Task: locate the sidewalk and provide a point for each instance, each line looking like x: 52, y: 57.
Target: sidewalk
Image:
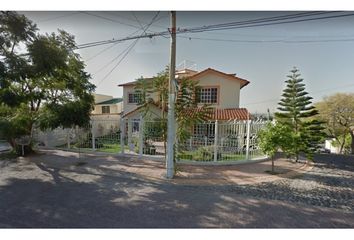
x: 248, y: 173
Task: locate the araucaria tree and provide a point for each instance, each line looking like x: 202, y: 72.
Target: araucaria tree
x: 297, y: 113
x: 42, y: 80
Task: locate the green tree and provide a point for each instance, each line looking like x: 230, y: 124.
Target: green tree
x: 42, y: 80
x: 337, y: 111
x: 274, y: 137
x: 297, y: 113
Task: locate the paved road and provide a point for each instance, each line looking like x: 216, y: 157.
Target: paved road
x: 35, y: 195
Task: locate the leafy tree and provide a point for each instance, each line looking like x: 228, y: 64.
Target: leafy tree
x: 337, y: 111
x: 42, y: 81
x: 273, y: 137
x: 297, y: 112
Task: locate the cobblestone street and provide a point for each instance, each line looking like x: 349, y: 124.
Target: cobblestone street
x: 36, y: 194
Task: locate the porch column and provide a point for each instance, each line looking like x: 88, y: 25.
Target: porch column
x: 122, y: 134
x: 129, y: 132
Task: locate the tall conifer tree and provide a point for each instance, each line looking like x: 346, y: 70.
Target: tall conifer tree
x: 297, y: 112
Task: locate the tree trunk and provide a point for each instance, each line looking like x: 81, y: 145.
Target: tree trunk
x: 272, y: 164
x: 342, y: 145
x: 352, y: 143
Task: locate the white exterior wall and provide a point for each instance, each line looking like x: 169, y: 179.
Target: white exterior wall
x: 330, y: 147
x: 127, y: 107
x: 228, y: 93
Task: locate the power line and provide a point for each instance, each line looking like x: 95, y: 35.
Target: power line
x: 260, y: 20
x: 110, y: 19
x: 235, y: 25
x: 136, y: 18
x: 142, y: 22
x: 113, y: 60
x: 131, y: 46
x: 100, y: 52
x: 128, y: 49
x: 105, y: 49
x: 258, y: 24
x: 58, y: 17
x: 268, y: 41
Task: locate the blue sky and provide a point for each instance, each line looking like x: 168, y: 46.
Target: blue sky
x: 327, y: 67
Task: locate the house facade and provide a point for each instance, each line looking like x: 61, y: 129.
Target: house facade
x: 107, y: 105
x: 218, y: 89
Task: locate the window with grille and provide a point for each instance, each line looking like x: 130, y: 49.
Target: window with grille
x: 204, y: 129
x: 106, y: 109
x: 134, y: 97
x: 208, y: 95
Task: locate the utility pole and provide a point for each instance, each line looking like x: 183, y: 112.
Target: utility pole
x: 171, y: 126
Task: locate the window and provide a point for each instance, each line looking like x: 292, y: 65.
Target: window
x: 106, y: 109
x: 208, y: 95
x: 135, y: 125
x: 134, y: 97
x: 204, y: 129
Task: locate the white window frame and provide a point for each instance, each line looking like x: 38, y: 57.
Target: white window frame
x: 206, y: 95
x: 135, y: 97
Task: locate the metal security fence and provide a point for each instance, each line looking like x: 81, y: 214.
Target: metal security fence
x: 225, y: 141
x: 209, y: 141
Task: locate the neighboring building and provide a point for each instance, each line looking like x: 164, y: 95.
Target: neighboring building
x: 107, y: 105
x: 220, y: 90
x: 330, y: 146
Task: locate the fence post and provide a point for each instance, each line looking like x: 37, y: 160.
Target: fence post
x: 68, y: 137
x: 122, y: 134
x: 205, y: 141
x: 130, y: 134
x: 141, y: 136
x: 216, y: 141
x: 248, y: 138
x: 190, y: 143
x: 93, y: 135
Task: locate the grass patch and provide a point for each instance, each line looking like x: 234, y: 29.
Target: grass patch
x: 209, y: 156
x: 107, y: 147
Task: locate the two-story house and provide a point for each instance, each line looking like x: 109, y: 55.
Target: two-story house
x: 220, y: 90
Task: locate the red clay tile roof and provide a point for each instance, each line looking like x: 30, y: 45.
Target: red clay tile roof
x: 216, y: 114
x: 225, y: 114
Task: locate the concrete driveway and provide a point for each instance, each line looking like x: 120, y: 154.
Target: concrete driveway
x: 35, y: 194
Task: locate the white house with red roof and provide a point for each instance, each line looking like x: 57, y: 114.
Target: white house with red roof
x: 220, y: 90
